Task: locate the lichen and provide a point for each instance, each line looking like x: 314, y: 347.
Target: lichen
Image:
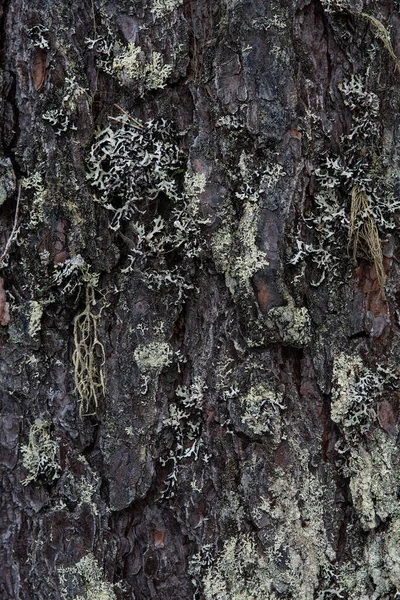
x: 239, y: 573
x: 40, y: 455
x: 35, y: 317
x: 356, y: 391
x: 89, y: 356
x: 162, y: 8
x: 235, y: 251
x: 153, y: 356
x: 261, y: 406
x: 374, y: 479
x: 87, y: 573
x: 293, y: 324
x: 130, y: 65
x: 290, y: 555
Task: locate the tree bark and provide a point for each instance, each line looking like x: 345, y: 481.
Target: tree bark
x: 199, y: 332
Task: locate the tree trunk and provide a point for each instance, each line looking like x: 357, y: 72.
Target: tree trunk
x: 198, y: 299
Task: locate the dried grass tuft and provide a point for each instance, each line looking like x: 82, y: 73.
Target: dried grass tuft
x: 364, y: 232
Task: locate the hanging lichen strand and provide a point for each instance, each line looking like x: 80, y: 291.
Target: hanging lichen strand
x: 89, y: 356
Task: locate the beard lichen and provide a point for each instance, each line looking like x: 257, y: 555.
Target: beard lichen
x: 89, y: 356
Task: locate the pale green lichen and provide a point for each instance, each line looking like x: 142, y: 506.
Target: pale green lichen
x: 40, y: 455
x: 261, y: 406
x: 289, y: 325
x: 240, y: 572
x: 162, y: 8
x: 293, y: 324
x: 356, y: 389
x: 374, y: 572
x: 291, y: 555
x: 35, y: 317
x: 87, y: 572
x: 251, y: 259
x: 235, y: 252
x: 130, y: 65
x: 153, y: 356
x: 235, y: 248
x: 374, y: 479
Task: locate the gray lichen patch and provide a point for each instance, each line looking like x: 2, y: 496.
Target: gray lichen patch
x: 41, y: 454
x: 90, y: 575
x: 236, y: 253
x: 356, y: 391
x: 291, y: 554
x: 374, y: 479
x: 289, y: 325
x: 7, y: 180
x: 153, y: 356
x: 293, y: 324
x: 257, y: 411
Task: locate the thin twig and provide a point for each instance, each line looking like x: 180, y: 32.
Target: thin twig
x: 129, y: 116
x: 94, y: 20
x: 10, y: 239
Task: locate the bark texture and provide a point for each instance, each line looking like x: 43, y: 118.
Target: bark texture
x: 199, y: 324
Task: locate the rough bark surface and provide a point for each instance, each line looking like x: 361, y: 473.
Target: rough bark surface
x: 199, y: 331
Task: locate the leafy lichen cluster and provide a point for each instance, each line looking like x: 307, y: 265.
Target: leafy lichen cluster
x: 356, y: 198
x: 40, y: 455
x: 235, y: 248
x: 162, y: 8
x: 86, y: 572
x: 135, y: 167
x: 130, y: 65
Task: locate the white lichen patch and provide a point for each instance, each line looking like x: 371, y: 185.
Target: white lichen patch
x: 240, y: 572
x: 261, y: 406
x: 88, y: 573
x: 130, y: 65
x: 40, y: 455
x: 356, y: 389
x: 153, y: 356
x: 35, y: 317
x: 162, y: 8
x: 291, y: 556
x: 236, y: 252
x: 374, y: 479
